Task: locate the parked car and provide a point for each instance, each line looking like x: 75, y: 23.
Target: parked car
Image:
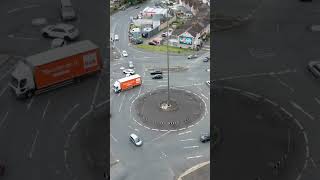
x: 205, y: 137
x: 116, y: 37
x: 135, y: 140
x: 131, y: 66
x: 137, y: 41
x: 192, y: 56
x: 206, y: 59
x: 58, y: 42
x: 67, y: 11
x: 152, y: 43
x: 164, y: 34
x: 155, y: 72
x: 124, y: 53
x: 64, y: 31
x: 157, y: 76
x: 208, y: 83
x: 314, y: 68
x: 128, y: 71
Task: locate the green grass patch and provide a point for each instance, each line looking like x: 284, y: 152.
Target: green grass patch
x: 163, y: 48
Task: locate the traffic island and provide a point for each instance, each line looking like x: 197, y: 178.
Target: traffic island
x: 153, y: 111
x: 260, y: 138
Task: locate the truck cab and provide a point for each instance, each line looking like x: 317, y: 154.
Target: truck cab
x: 117, y: 87
x: 22, y: 80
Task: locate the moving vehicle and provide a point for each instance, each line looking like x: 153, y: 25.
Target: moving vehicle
x: 158, y: 76
x: 116, y: 37
x: 55, y: 68
x: 67, y: 11
x: 58, y: 42
x: 128, y: 71
x: 314, y: 68
x: 64, y: 31
x: 155, y: 72
x: 205, y: 137
x: 206, y: 59
x: 124, y: 53
x: 127, y: 83
x: 131, y: 66
x: 135, y: 140
x: 192, y: 56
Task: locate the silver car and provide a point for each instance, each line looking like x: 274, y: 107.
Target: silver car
x: 63, y: 31
x: 67, y: 11
x: 131, y: 66
x: 135, y: 140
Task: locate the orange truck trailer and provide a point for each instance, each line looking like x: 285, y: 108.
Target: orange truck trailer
x: 55, y: 68
x: 127, y: 83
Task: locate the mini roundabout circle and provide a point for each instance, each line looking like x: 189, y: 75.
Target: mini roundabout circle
x: 260, y: 138
x: 153, y: 111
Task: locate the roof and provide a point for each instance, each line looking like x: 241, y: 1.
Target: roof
x: 129, y: 78
x: 61, y: 52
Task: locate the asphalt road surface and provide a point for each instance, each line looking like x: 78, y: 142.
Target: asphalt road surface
x: 164, y: 154
x: 34, y: 133
x: 269, y: 58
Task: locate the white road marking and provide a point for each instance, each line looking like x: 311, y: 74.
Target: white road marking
x: 160, y: 136
x: 95, y: 92
x: 258, y: 74
x: 317, y: 100
x: 122, y: 102
x: 3, y: 91
x: 131, y: 97
x: 45, y: 109
x: 187, y: 140
x: 74, y: 126
x: 313, y: 163
x: 204, y: 96
x: 13, y: 10
x: 190, y: 147
x: 113, y: 138
x: 301, y: 109
x: 193, y: 157
x: 103, y: 103
x: 69, y: 112
x: 86, y: 114
x: 133, y: 128
x: 21, y: 37
x: 184, y: 133
x: 33, y: 144
x: 30, y: 103
x: 4, y: 118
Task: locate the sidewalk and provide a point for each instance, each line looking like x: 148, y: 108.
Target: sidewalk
x: 198, y: 172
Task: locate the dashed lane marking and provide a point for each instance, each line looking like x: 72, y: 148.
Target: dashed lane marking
x: 30, y: 103
x: 3, y: 91
x: 33, y: 145
x: 317, y: 100
x: 70, y: 111
x: 45, y: 109
x: 193, y: 157
x: 190, y: 147
x: 160, y: 136
x: 133, y: 128
x: 4, y: 119
x: 301, y: 109
x: 113, y: 138
x: 122, y: 102
x: 183, y: 140
x: 184, y: 133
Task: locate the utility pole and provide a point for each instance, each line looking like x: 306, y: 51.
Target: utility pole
x: 168, y: 100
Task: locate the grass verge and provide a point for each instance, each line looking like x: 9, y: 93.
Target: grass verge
x: 163, y: 48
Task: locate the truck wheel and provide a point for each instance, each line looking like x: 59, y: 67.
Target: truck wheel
x: 29, y: 94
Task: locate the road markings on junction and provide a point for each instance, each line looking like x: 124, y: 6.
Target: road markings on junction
x: 133, y: 128
x: 30, y: 103
x: 113, y: 138
x: 193, y: 157
x: 69, y: 112
x: 122, y: 102
x: 295, y: 105
x: 184, y: 133
x: 33, y: 144
x: 95, y: 92
x: 45, y: 109
x: 317, y: 100
x: 160, y: 136
x: 3, y: 91
x: 284, y: 84
x: 190, y: 147
x: 4, y: 118
x: 183, y: 140
x: 74, y: 126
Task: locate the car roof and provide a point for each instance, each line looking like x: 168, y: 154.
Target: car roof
x: 64, y: 26
x: 134, y: 136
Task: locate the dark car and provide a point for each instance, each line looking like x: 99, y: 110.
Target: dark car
x: 138, y: 41
x: 152, y: 43
x: 157, y: 76
x: 155, y: 72
x: 205, y: 137
x: 314, y: 68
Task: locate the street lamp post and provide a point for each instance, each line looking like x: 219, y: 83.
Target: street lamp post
x: 168, y: 100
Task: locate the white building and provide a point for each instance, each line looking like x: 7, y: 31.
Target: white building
x: 151, y: 11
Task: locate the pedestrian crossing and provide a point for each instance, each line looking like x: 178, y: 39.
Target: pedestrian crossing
x: 261, y: 52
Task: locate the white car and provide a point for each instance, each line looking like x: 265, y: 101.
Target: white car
x: 124, y: 53
x: 63, y: 31
x: 131, y: 66
x: 116, y: 37
x: 135, y: 140
x: 128, y: 71
x: 208, y: 83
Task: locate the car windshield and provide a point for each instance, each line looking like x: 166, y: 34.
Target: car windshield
x: 72, y: 30
x: 137, y: 139
x: 14, y: 82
